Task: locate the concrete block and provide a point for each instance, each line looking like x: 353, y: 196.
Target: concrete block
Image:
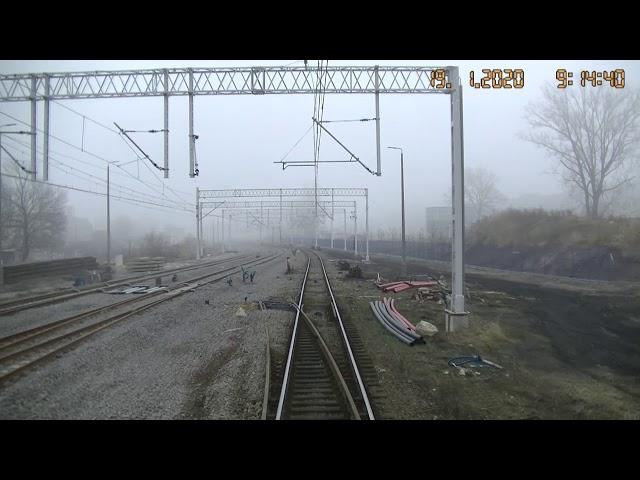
x: 426, y: 329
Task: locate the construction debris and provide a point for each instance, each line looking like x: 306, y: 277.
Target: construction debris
x: 343, y: 265
x: 144, y: 264
x: 396, y: 287
x: 394, y: 322
x: 355, y: 272
x: 475, y: 361
x: 276, y: 305
x: 426, y: 329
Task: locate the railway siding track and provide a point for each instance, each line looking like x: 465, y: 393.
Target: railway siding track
x: 17, y: 305
x: 321, y: 377
x: 25, y: 349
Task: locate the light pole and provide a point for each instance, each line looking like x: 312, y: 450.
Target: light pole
x: 404, y: 242
x: 108, y: 218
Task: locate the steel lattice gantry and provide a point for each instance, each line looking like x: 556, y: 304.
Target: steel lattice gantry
x: 217, y: 199
x: 191, y: 82
x: 285, y: 209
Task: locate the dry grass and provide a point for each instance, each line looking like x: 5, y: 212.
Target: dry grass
x: 552, y: 228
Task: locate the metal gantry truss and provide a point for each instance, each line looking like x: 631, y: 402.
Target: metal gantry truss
x: 215, y: 199
x: 261, y: 214
x: 260, y: 81
x: 219, y: 81
x: 192, y: 82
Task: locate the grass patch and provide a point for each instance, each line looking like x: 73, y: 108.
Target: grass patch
x: 540, y: 228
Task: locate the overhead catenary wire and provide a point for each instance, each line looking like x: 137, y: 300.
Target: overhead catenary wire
x: 350, y: 120
x: 24, y: 169
x: 111, y: 162
x: 136, y: 196
x: 135, y: 192
x: 296, y: 144
x: 70, y: 157
x: 129, y: 200
x: 60, y: 139
x: 117, y: 187
x: 85, y: 116
x: 140, y: 149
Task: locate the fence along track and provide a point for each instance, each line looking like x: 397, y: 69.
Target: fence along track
x: 316, y: 382
x: 18, y: 361
x: 26, y: 303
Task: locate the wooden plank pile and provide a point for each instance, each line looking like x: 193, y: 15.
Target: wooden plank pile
x: 27, y: 271
x: 396, y: 287
x: 145, y: 264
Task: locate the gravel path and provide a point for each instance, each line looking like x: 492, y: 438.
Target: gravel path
x: 182, y: 359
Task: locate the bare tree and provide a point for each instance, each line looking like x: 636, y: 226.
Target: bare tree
x: 155, y: 244
x: 593, y: 132
x: 480, y: 193
x: 34, y: 214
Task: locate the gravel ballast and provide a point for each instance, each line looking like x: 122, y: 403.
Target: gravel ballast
x: 183, y: 359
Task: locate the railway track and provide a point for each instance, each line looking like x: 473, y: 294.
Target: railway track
x: 25, y: 349
x: 322, y: 378
x: 17, y: 305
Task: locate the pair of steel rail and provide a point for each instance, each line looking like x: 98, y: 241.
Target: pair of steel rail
x: 308, y: 345
x: 22, y: 350
x: 25, y: 303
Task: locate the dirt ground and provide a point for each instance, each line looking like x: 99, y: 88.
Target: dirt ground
x: 570, y: 350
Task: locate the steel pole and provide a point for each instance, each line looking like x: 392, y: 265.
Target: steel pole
x: 198, y: 223
x: 191, y: 140
x: 108, y: 219
x: 332, y: 217
x: 202, y: 242
x: 222, y: 230
x: 166, y: 123
x: 280, y: 224
x: 33, y: 126
x: 355, y: 228
x: 457, y: 307
x: 345, y: 229
x: 366, y: 200
x: 404, y: 239
x: 377, y: 94
x: 45, y: 140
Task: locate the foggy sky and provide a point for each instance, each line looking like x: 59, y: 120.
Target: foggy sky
x: 241, y: 136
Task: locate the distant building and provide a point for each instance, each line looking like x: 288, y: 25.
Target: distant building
x: 438, y: 221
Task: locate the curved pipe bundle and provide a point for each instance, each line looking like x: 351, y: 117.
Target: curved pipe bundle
x: 393, y: 324
x: 390, y: 303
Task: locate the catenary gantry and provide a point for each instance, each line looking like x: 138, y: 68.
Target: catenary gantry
x: 193, y: 82
x: 217, y: 199
x: 270, y: 214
